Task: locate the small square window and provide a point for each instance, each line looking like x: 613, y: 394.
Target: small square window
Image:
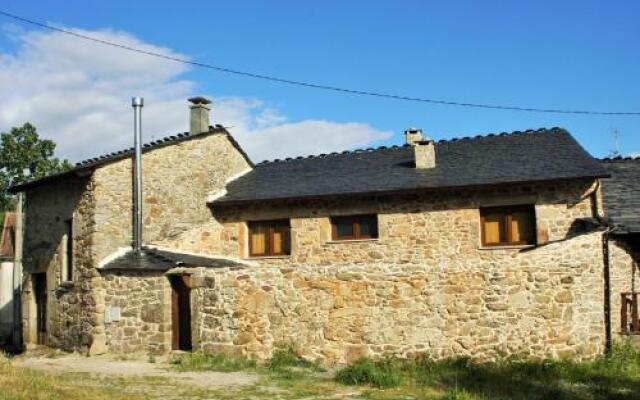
x: 508, y: 226
x: 269, y: 238
x: 354, y: 227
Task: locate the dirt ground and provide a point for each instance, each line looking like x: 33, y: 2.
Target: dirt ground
x: 130, y: 367
x: 64, y: 376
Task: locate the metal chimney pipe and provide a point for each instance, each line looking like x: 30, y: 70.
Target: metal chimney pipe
x: 137, y: 103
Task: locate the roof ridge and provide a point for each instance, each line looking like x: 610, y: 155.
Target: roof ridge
x: 619, y: 158
x: 146, y: 146
x: 396, y: 147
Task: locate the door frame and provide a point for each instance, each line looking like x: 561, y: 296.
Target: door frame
x: 181, y: 312
x: 40, y: 297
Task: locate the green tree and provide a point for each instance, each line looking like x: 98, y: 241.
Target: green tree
x: 24, y: 157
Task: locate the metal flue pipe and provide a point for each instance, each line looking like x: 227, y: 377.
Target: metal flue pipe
x: 137, y: 103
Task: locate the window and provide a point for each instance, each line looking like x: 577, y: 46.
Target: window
x: 354, y: 227
x: 508, y: 226
x: 67, y: 252
x: 269, y: 238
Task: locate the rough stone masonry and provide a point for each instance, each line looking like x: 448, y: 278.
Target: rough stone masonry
x: 424, y: 285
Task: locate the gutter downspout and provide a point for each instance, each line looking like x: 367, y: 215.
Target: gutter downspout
x: 17, y: 275
x: 606, y: 268
x: 607, y: 290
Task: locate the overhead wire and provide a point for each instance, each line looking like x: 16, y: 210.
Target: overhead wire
x: 312, y: 85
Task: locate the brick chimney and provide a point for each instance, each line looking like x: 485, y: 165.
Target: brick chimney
x: 199, y: 115
x: 423, y: 148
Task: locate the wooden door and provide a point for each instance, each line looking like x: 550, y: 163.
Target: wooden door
x: 181, y: 312
x: 40, y: 293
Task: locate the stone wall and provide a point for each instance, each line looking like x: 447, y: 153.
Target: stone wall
x: 177, y: 181
x: 623, y: 276
x: 144, y: 304
x: 71, y: 306
x: 430, y: 227
x: 339, y: 314
x: 426, y: 285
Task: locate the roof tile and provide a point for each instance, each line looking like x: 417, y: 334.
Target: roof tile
x: 621, y: 193
x: 541, y: 155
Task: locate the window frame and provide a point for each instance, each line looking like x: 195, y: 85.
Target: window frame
x: 506, y: 217
x: 356, y: 222
x: 271, y: 226
x: 67, y: 252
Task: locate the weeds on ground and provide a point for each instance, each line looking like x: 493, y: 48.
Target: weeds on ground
x: 457, y: 395
x: 286, y: 364
x: 614, y: 377
x: 220, y: 362
x: 384, y: 373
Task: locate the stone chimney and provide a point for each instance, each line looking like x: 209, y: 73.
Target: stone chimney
x: 425, y: 153
x: 424, y: 150
x: 413, y: 135
x: 199, y: 115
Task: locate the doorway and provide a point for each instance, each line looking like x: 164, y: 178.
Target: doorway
x: 181, y: 312
x: 40, y: 293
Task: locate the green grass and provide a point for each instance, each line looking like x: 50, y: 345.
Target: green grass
x: 385, y: 373
x: 287, y: 377
x: 457, y: 395
x: 284, y: 367
x: 287, y: 357
x: 614, y: 377
x: 219, y: 362
x: 286, y: 364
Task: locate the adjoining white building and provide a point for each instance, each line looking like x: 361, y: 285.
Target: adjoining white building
x: 7, y: 251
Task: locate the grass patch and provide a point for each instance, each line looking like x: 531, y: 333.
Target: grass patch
x: 219, y: 362
x: 287, y: 357
x: 457, y: 395
x: 385, y: 373
x: 286, y: 364
x: 614, y: 377
x: 287, y: 377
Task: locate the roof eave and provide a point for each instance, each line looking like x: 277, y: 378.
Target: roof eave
x: 77, y: 172
x: 221, y: 202
x: 88, y: 167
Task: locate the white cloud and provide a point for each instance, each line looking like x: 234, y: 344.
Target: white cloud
x: 78, y: 93
x: 266, y: 134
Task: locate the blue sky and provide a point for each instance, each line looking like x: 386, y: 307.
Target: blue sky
x: 547, y: 54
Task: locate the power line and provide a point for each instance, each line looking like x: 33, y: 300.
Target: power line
x: 311, y: 84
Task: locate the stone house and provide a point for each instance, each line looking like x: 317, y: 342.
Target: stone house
x: 484, y: 246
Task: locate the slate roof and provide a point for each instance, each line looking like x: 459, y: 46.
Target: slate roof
x: 88, y: 165
x: 162, y: 260
x: 7, y: 240
x: 529, y: 156
x: 621, y: 193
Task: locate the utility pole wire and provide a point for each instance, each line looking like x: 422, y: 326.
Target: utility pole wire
x: 311, y: 84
